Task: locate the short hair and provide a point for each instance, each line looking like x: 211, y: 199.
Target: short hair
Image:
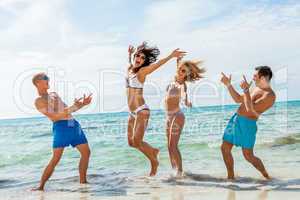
x: 37, y: 77
x: 264, y: 71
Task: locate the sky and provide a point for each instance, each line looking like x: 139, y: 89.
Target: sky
x: 82, y: 46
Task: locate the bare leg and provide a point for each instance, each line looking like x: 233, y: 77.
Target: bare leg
x: 57, y: 153
x: 140, y: 127
x: 174, y: 136
x: 168, y: 124
x: 130, y: 127
x: 256, y: 162
x: 137, y: 132
x: 84, y: 161
x: 228, y: 159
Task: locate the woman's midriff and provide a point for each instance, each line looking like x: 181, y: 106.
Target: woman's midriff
x: 172, y: 105
x: 135, y: 98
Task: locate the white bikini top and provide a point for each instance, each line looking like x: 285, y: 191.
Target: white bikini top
x: 133, y: 82
x: 171, y: 91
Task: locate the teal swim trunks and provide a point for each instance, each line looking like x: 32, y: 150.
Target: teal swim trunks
x: 67, y: 132
x: 241, y: 131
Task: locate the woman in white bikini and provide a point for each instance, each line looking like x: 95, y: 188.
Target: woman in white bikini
x: 144, y: 63
x: 187, y: 71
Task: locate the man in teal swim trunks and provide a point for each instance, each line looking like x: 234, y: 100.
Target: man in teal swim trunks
x: 241, y: 129
x: 66, y: 130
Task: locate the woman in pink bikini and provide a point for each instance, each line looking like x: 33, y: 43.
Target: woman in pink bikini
x: 187, y: 71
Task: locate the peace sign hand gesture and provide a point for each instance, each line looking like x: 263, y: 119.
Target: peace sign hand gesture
x: 225, y: 79
x: 245, y: 85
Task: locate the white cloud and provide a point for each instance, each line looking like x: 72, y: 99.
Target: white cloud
x: 15, y: 6
x: 245, y: 36
x: 229, y: 36
x: 41, y: 35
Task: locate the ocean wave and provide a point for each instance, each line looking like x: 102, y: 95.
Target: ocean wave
x: 108, y: 184
x: 41, y: 135
x: 5, y: 182
x: 102, y: 184
x: 239, y: 184
x: 285, y: 140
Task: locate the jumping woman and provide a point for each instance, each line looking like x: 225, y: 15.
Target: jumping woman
x: 144, y: 63
x: 187, y: 71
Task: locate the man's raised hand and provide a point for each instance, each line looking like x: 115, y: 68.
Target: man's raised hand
x: 244, y: 84
x: 83, y: 101
x: 225, y: 79
x: 87, y: 100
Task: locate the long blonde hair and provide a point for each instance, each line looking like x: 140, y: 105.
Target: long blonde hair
x: 195, y: 70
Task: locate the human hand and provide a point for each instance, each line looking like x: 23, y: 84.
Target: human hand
x: 244, y: 84
x: 226, y: 80
x: 131, y: 49
x: 87, y: 100
x: 177, y: 53
x: 189, y: 104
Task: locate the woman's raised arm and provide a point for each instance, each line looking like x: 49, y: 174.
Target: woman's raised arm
x: 151, y: 68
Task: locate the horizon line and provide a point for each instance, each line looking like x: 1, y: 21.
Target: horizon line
x: 97, y: 113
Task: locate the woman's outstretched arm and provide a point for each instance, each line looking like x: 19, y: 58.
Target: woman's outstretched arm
x: 151, y: 68
x: 131, y: 50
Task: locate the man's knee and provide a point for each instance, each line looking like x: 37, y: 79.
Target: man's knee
x: 87, y: 153
x: 54, y: 161
x: 225, y: 148
x: 249, y: 156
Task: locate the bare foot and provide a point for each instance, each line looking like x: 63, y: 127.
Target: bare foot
x: 38, y: 189
x: 266, y: 175
x: 154, y: 162
x: 84, y: 182
x: 230, y: 178
x: 179, y: 174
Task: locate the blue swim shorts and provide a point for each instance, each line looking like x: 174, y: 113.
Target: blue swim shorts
x: 67, y: 132
x: 241, y: 131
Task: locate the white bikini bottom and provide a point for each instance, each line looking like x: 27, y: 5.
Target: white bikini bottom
x: 140, y: 108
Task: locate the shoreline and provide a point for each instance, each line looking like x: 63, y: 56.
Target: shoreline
x: 171, y: 192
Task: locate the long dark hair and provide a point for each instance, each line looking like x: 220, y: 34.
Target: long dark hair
x: 151, y: 54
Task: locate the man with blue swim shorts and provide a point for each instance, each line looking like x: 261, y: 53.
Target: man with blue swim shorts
x: 241, y: 129
x: 66, y: 130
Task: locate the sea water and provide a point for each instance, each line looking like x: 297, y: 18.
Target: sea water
x: 115, y: 169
